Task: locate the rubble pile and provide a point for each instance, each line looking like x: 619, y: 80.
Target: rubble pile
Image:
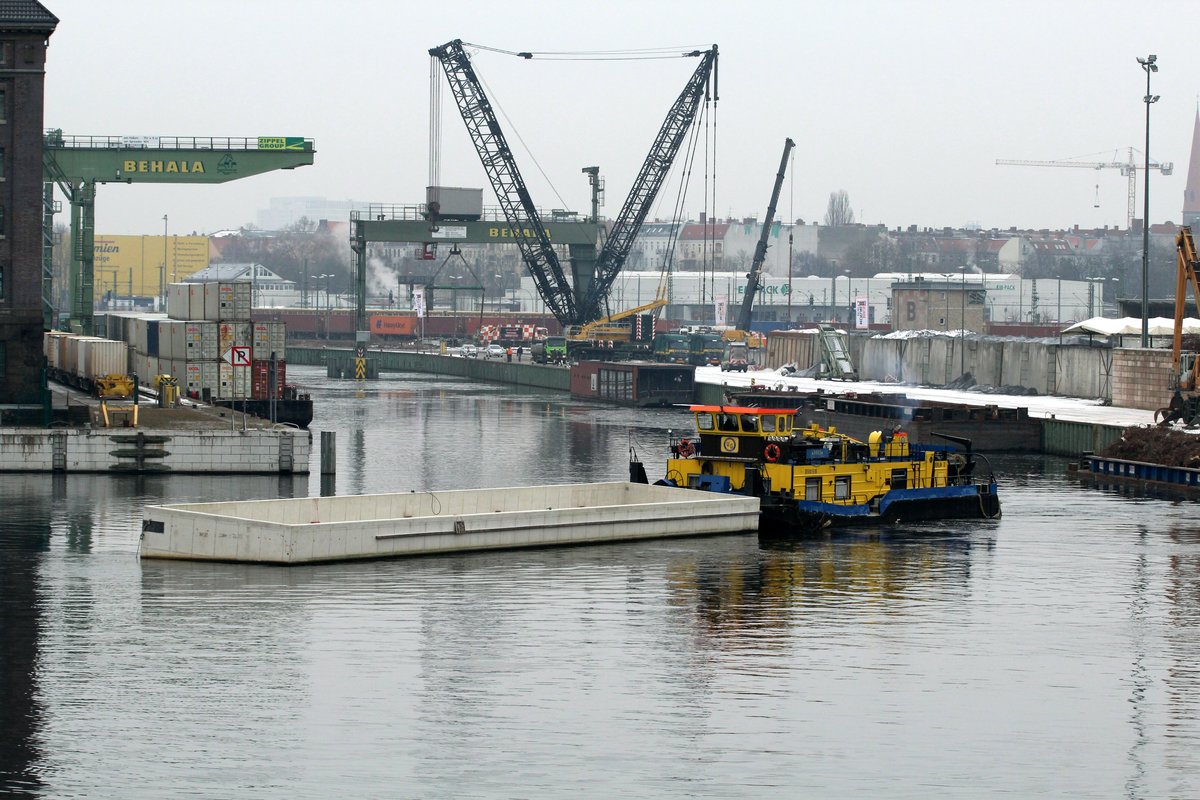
x: 1156, y: 445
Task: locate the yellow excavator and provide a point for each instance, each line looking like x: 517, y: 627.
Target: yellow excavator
x: 1185, y: 403
x: 614, y: 327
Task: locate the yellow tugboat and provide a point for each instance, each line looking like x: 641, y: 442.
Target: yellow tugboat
x: 810, y: 478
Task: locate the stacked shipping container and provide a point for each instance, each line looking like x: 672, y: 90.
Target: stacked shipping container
x: 194, y: 340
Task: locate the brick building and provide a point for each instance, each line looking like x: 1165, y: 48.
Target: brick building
x: 942, y: 305
x: 25, y: 28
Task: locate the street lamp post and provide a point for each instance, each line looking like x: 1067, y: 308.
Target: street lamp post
x: 328, y: 303
x: 162, y: 275
x: 1092, y: 293
x: 1058, y: 301
x: 833, y: 293
x: 1148, y: 66
x: 962, y: 326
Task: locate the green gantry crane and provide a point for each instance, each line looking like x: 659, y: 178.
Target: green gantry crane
x: 77, y: 163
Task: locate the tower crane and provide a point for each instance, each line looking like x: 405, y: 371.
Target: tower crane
x: 581, y: 300
x: 1128, y: 168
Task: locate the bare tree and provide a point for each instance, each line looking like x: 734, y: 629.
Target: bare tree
x: 839, y: 212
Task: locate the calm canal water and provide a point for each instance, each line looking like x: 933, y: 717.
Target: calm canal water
x: 1051, y: 653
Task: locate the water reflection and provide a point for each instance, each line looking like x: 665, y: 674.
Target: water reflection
x: 798, y: 582
x: 1063, y: 636
x: 24, y: 539
x: 1183, y: 646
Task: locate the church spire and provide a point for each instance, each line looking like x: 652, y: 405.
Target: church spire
x: 1191, y: 193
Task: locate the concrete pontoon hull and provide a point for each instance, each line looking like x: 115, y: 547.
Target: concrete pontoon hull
x: 316, y: 529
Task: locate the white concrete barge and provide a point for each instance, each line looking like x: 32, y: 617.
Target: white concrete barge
x: 316, y: 529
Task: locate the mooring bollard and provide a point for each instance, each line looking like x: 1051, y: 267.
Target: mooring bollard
x: 328, y: 452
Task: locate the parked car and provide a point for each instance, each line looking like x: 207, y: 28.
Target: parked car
x: 470, y: 351
x: 494, y: 351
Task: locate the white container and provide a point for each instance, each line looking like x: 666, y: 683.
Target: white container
x: 234, y: 382
x: 75, y: 362
x: 230, y: 334
x: 269, y: 337
x: 455, y: 201
x: 199, y: 342
x: 226, y: 302
x: 185, y: 301
x: 52, y: 347
x: 145, y: 367
x: 169, y: 332
x: 99, y: 357
x: 199, y: 377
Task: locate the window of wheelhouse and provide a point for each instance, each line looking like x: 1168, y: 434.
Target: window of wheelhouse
x: 768, y: 424
x: 841, y: 487
x: 704, y: 422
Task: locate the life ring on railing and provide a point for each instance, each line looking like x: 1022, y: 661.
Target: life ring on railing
x: 771, y: 452
x: 685, y: 449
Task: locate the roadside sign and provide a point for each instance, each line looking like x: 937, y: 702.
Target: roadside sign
x: 238, y: 356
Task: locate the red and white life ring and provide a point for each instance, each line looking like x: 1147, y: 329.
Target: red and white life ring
x: 685, y: 449
x: 771, y: 452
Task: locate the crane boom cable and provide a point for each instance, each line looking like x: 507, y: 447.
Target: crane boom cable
x: 435, y: 122
x: 677, y: 218
x: 663, y: 291
x: 516, y: 132
x: 635, y: 54
x: 712, y: 289
x: 650, y: 177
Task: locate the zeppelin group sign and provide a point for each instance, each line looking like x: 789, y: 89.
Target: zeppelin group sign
x: 280, y: 143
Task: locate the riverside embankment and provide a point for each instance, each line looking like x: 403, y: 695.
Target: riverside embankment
x: 1070, y: 426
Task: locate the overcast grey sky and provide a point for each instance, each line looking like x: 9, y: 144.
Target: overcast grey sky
x: 905, y: 105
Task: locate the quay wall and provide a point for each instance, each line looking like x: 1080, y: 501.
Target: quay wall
x: 998, y: 363
x: 518, y: 373
x: 140, y: 450
x: 1048, y: 368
